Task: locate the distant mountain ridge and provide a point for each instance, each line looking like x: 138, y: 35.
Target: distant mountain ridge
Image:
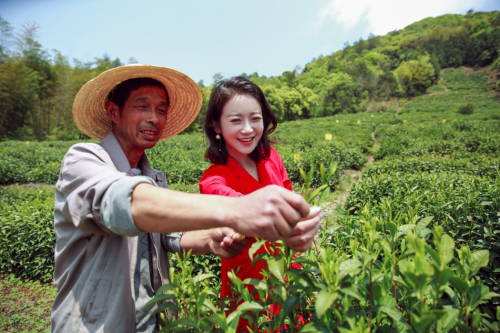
x: 400, y: 64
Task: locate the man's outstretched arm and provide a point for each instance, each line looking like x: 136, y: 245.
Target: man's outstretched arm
x: 270, y: 213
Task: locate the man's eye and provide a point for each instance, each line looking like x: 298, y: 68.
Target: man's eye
x: 161, y: 110
x: 141, y: 106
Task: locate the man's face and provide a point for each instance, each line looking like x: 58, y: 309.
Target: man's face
x: 141, y: 121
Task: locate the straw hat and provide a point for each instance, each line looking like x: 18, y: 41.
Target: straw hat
x: 184, y: 95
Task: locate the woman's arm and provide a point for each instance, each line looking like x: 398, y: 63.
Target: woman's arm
x: 223, y: 242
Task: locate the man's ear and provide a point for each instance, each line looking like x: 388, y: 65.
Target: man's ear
x: 112, y: 110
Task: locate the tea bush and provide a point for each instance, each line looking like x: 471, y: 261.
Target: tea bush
x: 466, y: 109
x: 381, y: 272
x: 27, y: 238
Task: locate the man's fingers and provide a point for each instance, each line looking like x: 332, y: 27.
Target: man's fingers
x: 295, y: 201
x: 303, y: 240
x: 313, y: 212
x: 305, y: 226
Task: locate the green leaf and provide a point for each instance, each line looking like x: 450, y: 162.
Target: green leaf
x: 250, y: 306
x: 448, y: 320
x: 386, y: 246
x: 290, y: 304
x: 257, y: 283
x: 322, y: 173
x: 201, y: 277
x: 184, y: 322
x: 446, y: 249
x: 459, y: 284
x: 476, y: 294
x: 277, y: 267
x: 166, y: 306
x: 423, y: 223
x: 393, y: 228
x: 315, y: 328
x: 333, y: 168
x: 255, y: 247
x: 233, y: 317
x: 348, y: 266
x: 166, y: 287
x: 303, y: 174
x: 310, y: 175
x: 210, y: 305
x: 158, y: 299
x: 404, y: 229
x: 324, y: 194
x: 316, y: 192
x: 324, y: 301
x: 398, y: 319
x: 352, y: 291
x: 478, y: 259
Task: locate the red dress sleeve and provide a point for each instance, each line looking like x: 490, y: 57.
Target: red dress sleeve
x: 218, y: 180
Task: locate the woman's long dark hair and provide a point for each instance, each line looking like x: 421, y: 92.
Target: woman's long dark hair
x: 222, y: 93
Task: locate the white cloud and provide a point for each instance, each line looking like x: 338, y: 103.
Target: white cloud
x: 387, y: 15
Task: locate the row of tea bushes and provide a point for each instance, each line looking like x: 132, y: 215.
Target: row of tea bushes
x: 27, y: 237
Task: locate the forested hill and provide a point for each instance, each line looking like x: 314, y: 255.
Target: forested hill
x: 37, y: 88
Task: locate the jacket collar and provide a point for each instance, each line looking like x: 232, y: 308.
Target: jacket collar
x: 243, y: 177
x: 115, y: 151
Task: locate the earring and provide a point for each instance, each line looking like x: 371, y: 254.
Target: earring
x: 217, y: 136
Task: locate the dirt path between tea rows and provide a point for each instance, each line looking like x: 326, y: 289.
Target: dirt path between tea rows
x: 347, y: 180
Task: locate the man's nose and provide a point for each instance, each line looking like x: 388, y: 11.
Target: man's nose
x: 152, y: 117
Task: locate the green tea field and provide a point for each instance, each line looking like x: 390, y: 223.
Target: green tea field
x: 410, y: 241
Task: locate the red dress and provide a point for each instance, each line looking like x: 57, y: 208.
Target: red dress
x: 233, y: 181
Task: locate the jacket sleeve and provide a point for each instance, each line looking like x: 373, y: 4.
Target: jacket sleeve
x: 87, y: 173
x: 217, y: 180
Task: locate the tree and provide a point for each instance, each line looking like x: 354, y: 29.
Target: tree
x: 5, y: 39
x: 290, y: 103
x: 387, y: 85
x: 341, y: 95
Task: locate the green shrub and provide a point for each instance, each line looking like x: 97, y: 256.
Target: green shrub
x: 27, y: 238
x: 466, y: 109
x: 466, y: 206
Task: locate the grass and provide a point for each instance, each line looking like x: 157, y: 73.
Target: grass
x: 25, y: 305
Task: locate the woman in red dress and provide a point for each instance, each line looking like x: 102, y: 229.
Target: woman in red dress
x: 238, y: 123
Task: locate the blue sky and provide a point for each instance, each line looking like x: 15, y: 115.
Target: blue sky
x: 201, y: 37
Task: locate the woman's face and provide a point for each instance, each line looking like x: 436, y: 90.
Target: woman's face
x: 241, y: 125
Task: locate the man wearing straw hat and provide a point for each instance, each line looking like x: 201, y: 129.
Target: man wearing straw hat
x: 115, y: 218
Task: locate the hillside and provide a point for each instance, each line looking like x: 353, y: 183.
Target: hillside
x: 37, y: 89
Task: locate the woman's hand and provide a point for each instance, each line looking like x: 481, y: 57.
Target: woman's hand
x: 226, y: 243
x: 303, y: 233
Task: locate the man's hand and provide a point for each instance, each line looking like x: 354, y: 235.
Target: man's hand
x: 303, y: 234
x: 226, y: 243
x: 269, y: 213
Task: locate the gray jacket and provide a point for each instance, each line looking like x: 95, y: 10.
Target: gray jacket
x: 96, y: 258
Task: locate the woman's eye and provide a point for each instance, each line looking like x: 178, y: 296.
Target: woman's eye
x: 257, y: 118
x: 235, y: 120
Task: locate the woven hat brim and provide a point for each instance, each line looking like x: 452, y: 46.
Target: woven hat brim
x: 184, y: 95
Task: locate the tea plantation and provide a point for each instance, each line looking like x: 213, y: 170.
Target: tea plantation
x: 415, y: 248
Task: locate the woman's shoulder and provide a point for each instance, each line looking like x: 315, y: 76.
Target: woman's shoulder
x: 216, y: 170
x: 218, y: 179
x: 274, y: 156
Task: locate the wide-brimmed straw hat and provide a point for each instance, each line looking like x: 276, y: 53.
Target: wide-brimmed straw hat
x: 184, y: 96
